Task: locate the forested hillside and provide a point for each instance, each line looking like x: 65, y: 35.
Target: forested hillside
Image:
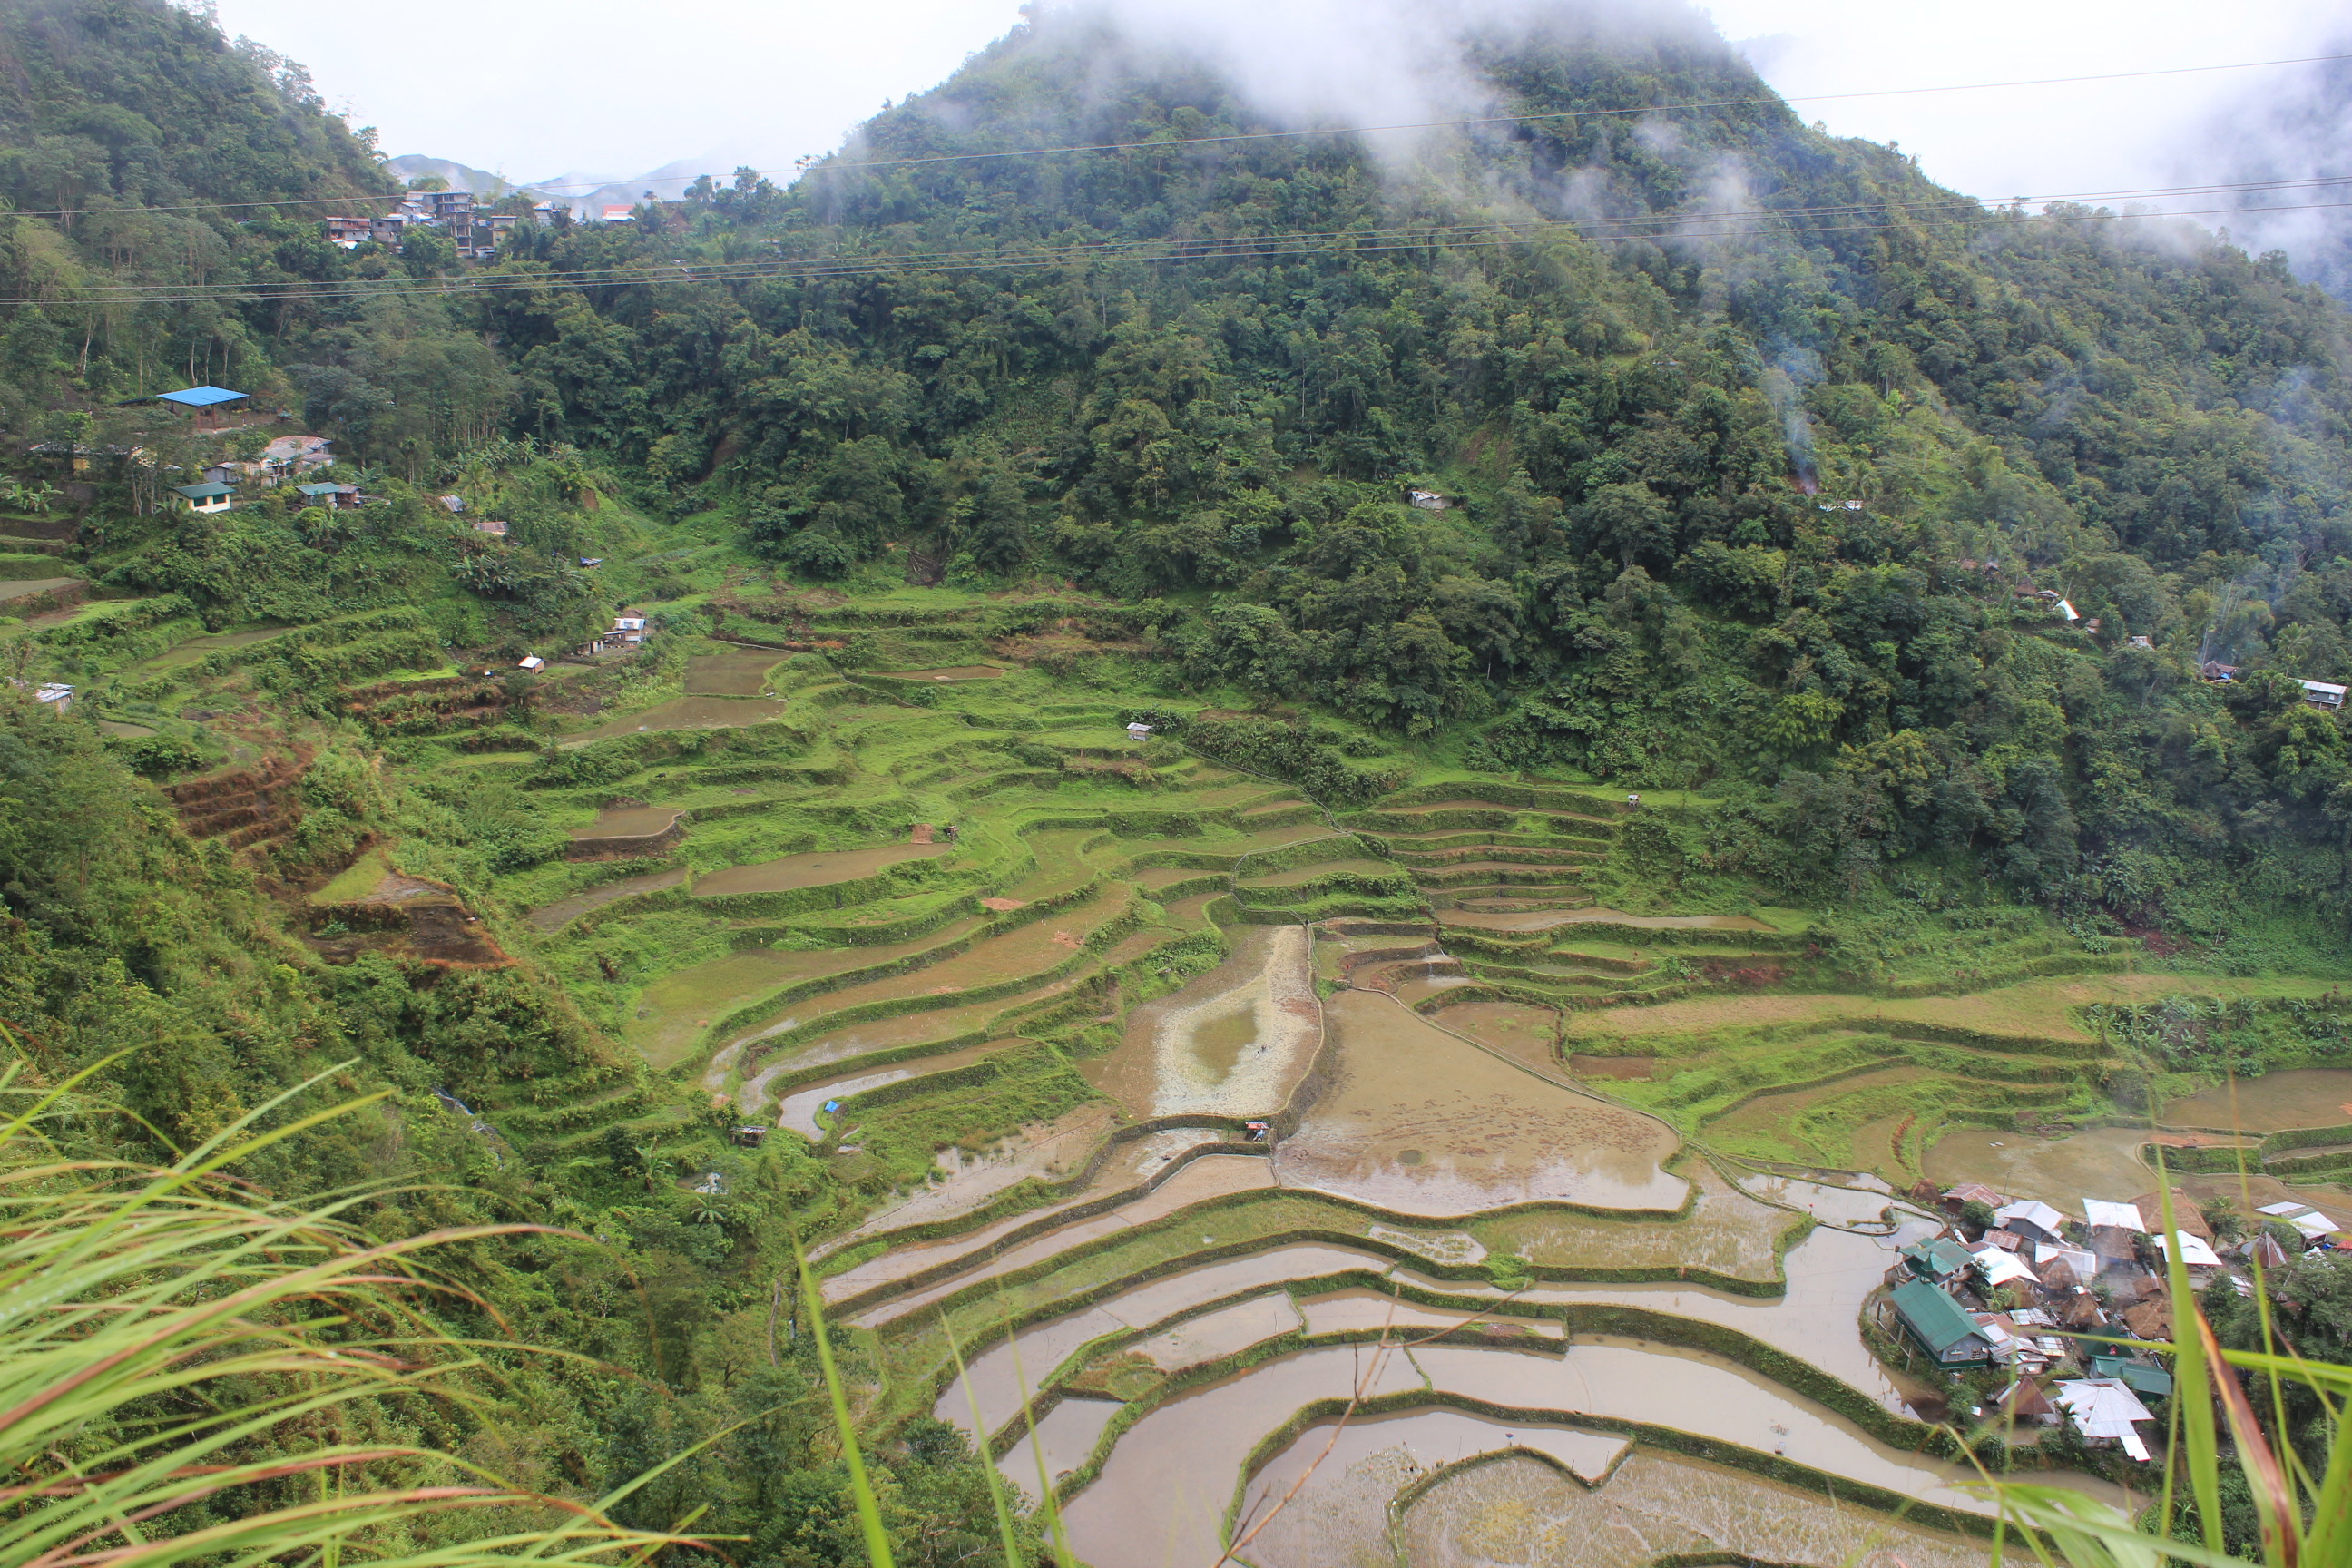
x: 1752, y: 454
x: 1744, y: 465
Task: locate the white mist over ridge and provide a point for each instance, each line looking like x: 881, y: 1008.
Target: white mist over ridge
x: 1310, y: 63
x: 593, y: 85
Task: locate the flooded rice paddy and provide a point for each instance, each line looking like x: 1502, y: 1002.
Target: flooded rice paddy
x: 1414, y: 1158
x: 685, y: 713
x: 563, y: 912
x: 2299, y: 1097
x: 1524, y: 1032
x: 1233, y: 1042
x: 1419, y: 1122
x: 2103, y: 1162
x: 629, y: 821
x: 1167, y: 1481
x: 1547, y: 919
x: 1518, y: 1511
x: 1062, y: 1439
x: 814, y: 870
x: 1032, y: 1355
x: 1353, y: 1474
x: 1212, y: 1336
x: 947, y: 672
x: 973, y: 1259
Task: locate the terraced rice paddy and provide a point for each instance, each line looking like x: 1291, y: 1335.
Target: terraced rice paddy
x: 2299, y: 1097
x: 730, y: 674
x: 1035, y: 1056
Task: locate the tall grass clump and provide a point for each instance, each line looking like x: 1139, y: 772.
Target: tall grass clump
x: 187, y: 1368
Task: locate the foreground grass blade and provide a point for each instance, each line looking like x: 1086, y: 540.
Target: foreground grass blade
x: 1005, y: 1534
x: 869, y: 1511
x: 131, y: 1289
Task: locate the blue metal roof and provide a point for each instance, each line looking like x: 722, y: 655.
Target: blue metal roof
x: 201, y: 397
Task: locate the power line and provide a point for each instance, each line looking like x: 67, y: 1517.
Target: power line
x: 1162, y: 143
x: 1233, y: 248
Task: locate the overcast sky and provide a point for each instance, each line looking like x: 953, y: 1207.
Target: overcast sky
x: 537, y: 88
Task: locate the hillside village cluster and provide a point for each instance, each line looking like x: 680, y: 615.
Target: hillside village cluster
x: 2013, y: 1285
x: 475, y: 229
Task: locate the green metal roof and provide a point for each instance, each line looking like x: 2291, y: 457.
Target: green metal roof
x: 325, y: 490
x: 2139, y: 1376
x: 1940, y: 1257
x: 204, y: 492
x: 1939, y: 1321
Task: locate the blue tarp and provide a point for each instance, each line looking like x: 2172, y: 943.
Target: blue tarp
x: 201, y: 397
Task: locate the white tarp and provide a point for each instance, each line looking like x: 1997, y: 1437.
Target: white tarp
x: 2097, y: 1212
x: 2314, y: 1226
x: 2001, y: 1267
x: 2193, y: 1250
x: 2033, y: 1212
x: 2292, y: 1205
x: 2103, y: 1407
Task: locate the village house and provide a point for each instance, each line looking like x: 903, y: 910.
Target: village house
x: 348, y: 232
x: 54, y: 695
x: 211, y: 496
x: 2032, y: 1220
x: 2105, y: 1411
x: 1938, y: 1325
x: 326, y: 493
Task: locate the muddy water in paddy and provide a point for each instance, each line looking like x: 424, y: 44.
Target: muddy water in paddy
x: 1167, y: 1481
x: 1214, y: 1335
x: 1419, y: 1122
x: 2300, y: 1097
x: 685, y: 713
x: 1545, y: 919
x: 1521, y: 1032
x: 629, y: 821
x: 1341, y: 1517
x: 798, y: 1111
x: 947, y: 672
x: 1038, y: 1350
x: 814, y: 870
x: 771, y: 1058
x: 2103, y: 1162
x: 1210, y: 1175
x: 1067, y: 1436
x: 1233, y: 1042
x: 563, y: 912
x: 1520, y: 1512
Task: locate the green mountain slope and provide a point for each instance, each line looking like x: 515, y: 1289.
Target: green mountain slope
x: 1750, y: 465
